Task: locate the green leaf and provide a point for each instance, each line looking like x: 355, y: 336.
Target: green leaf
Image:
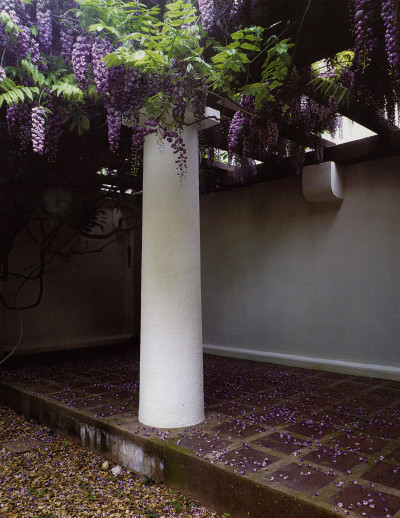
x: 68, y: 91
x: 247, y: 46
x: 237, y: 35
x: 140, y: 54
x: 33, y: 72
x: 96, y: 27
x: 243, y: 57
x: 85, y: 122
x: 9, y: 100
x: 342, y: 95
x: 176, y: 23
x: 112, y: 60
x: 219, y: 58
x: 28, y: 92
x: 20, y: 94
x: 7, y: 84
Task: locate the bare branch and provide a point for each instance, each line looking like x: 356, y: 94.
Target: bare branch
x: 109, y: 234
x: 292, y: 61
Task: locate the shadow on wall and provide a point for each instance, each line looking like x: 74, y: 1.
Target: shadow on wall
x: 88, y: 296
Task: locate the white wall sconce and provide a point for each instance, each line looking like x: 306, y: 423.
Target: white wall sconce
x: 322, y: 182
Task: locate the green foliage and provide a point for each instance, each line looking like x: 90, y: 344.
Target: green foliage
x: 177, y: 505
x: 148, y: 480
x: 68, y: 89
x: 79, y: 121
x: 14, y: 94
x: 344, y: 59
x: 147, y: 42
x: 57, y: 78
x: 32, y: 72
x: 234, y: 58
x: 277, y: 62
x: 273, y: 74
x: 330, y: 88
x: 11, y: 28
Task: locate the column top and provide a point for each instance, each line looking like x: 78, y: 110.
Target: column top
x: 211, y: 118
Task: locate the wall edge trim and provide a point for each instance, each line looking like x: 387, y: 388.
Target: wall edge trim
x: 53, y: 346
x: 326, y: 364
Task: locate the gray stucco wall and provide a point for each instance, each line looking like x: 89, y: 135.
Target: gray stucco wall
x: 87, y: 301
x: 290, y: 281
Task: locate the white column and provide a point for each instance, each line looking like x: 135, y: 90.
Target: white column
x: 171, y: 351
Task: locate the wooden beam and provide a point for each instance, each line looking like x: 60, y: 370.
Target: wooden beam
x: 363, y: 149
x: 347, y: 153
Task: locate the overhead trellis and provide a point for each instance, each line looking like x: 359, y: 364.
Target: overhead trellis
x: 75, y: 76
x: 166, y: 55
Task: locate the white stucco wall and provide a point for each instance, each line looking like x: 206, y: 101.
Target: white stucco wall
x: 88, y: 301
x: 314, y: 284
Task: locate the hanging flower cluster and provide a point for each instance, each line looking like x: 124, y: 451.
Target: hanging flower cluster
x: 45, y: 30
x: 59, y: 61
x: 206, y: 8
x: 376, y: 64
x: 38, y: 129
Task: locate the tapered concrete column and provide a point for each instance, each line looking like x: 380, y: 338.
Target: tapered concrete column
x: 171, y: 351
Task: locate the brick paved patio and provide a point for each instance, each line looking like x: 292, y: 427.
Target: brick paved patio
x: 328, y: 440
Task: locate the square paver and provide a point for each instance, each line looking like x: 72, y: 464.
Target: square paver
x: 394, y: 456
x: 382, y: 429
x: 312, y: 428
x: 84, y: 403
x: 333, y: 458
x: 302, y: 478
x: 106, y: 410
x: 369, y: 399
x: 352, y: 387
x: 231, y: 408
x: 393, y: 393
x: 384, y: 473
x: 360, y: 443
x: 246, y: 458
x: 203, y: 444
x: 45, y: 389
x: 261, y: 398
x: 282, y: 442
x: 240, y: 428
x: 65, y: 396
x: 278, y: 415
x: 316, y: 401
x: 366, y: 501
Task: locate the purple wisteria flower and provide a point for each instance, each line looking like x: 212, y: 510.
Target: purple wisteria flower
x: 206, y: 8
x: 38, y: 129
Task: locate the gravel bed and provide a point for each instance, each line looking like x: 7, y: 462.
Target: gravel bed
x: 58, y: 478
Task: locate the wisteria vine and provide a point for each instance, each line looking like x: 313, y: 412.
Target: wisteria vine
x: 57, y: 53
